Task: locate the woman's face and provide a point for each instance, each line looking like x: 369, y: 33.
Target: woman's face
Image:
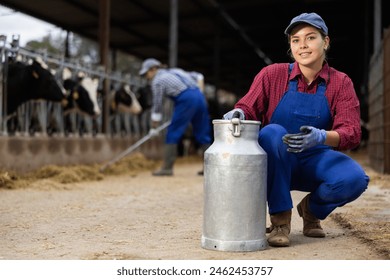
x: 149, y: 75
x: 308, y: 46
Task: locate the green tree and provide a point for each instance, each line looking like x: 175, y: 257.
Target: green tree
x: 45, y: 44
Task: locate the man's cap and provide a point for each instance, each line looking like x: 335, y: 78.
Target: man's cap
x: 312, y: 18
x: 147, y: 64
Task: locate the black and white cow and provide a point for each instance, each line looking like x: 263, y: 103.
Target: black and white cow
x: 123, y: 106
x: 125, y: 101
x: 25, y: 82
x: 82, y: 98
x: 82, y: 94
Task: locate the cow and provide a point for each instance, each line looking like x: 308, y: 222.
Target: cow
x: 123, y: 105
x: 145, y: 97
x: 82, y: 94
x: 82, y: 99
x: 25, y: 82
x: 125, y: 101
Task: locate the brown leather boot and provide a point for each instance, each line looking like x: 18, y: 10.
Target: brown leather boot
x: 280, y: 229
x: 311, y: 225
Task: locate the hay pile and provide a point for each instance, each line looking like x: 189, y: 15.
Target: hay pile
x: 53, y: 176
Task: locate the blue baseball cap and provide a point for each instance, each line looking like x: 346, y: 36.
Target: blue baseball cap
x: 312, y: 18
x: 147, y: 64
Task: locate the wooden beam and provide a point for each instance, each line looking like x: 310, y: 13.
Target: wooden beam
x: 104, y: 39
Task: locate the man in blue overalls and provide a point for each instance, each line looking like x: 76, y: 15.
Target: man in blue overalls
x: 308, y: 110
x: 190, y: 107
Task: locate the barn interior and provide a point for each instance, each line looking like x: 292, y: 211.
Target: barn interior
x: 228, y: 41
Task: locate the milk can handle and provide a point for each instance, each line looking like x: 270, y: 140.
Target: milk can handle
x: 236, y: 127
x: 236, y: 124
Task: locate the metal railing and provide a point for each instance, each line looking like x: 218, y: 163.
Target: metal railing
x: 37, y: 116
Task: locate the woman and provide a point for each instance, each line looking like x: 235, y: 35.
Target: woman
x: 308, y: 110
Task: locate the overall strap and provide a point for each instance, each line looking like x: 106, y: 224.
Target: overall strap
x: 290, y: 67
x: 184, y: 80
x: 293, y: 84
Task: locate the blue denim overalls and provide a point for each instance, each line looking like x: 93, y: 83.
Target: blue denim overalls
x: 332, y: 178
x: 189, y: 107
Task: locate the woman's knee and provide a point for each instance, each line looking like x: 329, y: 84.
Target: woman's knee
x: 344, y: 189
x: 271, y: 135
x: 359, y: 183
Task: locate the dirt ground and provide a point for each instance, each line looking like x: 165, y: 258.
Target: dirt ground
x: 78, y: 213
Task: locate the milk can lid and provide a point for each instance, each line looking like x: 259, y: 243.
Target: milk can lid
x: 221, y: 121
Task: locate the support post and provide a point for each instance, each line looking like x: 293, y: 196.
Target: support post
x: 104, y: 39
x: 173, y: 36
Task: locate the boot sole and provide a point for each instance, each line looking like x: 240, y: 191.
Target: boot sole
x: 315, y: 235
x: 279, y: 245
x: 162, y: 174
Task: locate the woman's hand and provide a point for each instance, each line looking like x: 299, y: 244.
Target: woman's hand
x: 309, y: 137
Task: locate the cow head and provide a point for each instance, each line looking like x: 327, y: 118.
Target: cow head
x: 91, y: 86
x: 82, y: 100
x: 31, y: 82
x: 44, y: 85
x: 126, y: 101
x: 82, y: 93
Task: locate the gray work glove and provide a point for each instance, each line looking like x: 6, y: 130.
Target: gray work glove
x: 307, y: 138
x: 235, y: 113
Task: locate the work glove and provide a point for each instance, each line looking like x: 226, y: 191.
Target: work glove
x: 307, y: 138
x: 153, y: 132
x: 235, y: 113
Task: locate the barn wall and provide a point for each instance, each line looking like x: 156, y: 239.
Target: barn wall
x: 386, y: 99
x: 379, y: 107
x: 24, y: 154
x: 375, y: 111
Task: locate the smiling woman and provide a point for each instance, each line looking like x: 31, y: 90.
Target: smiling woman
x: 302, y: 126
x: 26, y: 27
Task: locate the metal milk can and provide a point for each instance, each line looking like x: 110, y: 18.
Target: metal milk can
x: 235, y: 186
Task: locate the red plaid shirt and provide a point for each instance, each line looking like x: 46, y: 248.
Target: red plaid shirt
x: 271, y: 83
